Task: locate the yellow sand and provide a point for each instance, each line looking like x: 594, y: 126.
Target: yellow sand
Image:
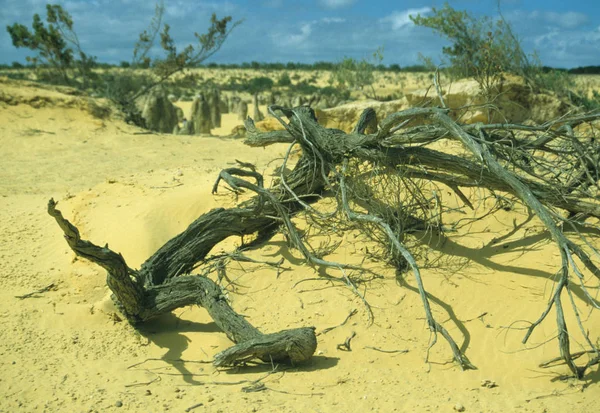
x: 65, y: 351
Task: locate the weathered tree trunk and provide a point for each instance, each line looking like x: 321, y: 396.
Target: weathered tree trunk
x: 158, y: 286
x: 140, y: 303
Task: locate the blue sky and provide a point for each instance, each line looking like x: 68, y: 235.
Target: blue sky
x: 564, y: 34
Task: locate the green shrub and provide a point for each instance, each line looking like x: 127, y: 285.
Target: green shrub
x: 559, y: 81
x: 328, y: 91
x: 483, y: 48
x: 486, y: 48
x: 259, y: 84
x: 305, y: 88
x: 284, y: 80
x: 119, y: 87
x: 54, y: 45
x: 353, y: 74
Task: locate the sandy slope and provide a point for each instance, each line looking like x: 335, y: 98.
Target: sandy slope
x: 64, y: 351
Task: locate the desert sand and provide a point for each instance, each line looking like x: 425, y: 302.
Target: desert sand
x: 67, y: 350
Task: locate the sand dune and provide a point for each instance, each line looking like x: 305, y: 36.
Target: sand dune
x: 65, y: 350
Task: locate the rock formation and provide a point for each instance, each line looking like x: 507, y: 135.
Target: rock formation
x: 272, y: 100
x: 213, y: 99
x: 200, y: 117
x: 179, y: 112
x: 514, y: 103
x: 258, y: 115
x: 224, y: 104
x: 158, y: 112
x: 344, y: 117
x: 242, y: 110
x: 232, y: 104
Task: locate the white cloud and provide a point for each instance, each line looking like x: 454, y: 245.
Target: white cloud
x: 568, y: 48
x: 568, y: 20
x: 295, y: 39
x: 305, y: 31
x: 566, y: 39
x: 336, y: 4
x: 401, y: 19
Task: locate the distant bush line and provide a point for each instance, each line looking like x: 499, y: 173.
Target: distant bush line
x: 254, y: 65
x: 582, y: 70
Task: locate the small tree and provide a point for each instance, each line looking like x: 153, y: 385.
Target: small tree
x: 175, y: 61
x: 259, y: 84
x: 284, y: 80
x: 54, y: 44
x: 486, y: 48
x: 353, y: 74
x: 480, y: 47
x: 129, y: 86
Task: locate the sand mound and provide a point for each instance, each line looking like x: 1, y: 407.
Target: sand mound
x: 14, y: 93
x: 66, y: 350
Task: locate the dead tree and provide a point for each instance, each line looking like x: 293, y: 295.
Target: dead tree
x: 547, y: 168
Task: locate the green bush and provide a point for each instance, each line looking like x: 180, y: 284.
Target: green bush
x: 588, y: 104
x: 284, y: 80
x: 486, y: 48
x: 559, y: 81
x: 480, y: 47
x: 352, y: 74
x: 305, y: 88
x: 328, y: 91
x: 259, y: 84
x: 54, y: 43
x: 120, y: 86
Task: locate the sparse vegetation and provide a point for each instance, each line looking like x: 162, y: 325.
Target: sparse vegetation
x: 284, y: 80
x: 259, y: 85
x: 482, y: 48
x: 55, y: 60
x: 485, y: 49
x: 357, y: 75
x: 60, y: 53
x: 174, y: 60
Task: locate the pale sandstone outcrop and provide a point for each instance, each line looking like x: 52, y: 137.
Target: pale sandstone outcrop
x: 242, y: 110
x: 200, y: 116
x: 344, y: 117
x: 158, y: 112
x: 269, y: 124
x: 213, y: 99
x: 515, y: 102
x: 258, y: 115
x: 224, y: 104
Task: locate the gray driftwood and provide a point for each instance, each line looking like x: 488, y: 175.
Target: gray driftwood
x: 141, y: 301
x: 547, y: 168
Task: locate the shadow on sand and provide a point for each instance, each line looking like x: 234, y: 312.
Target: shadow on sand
x: 168, y: 331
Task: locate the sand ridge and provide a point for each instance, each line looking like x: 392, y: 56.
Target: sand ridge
x: 65, y: 350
